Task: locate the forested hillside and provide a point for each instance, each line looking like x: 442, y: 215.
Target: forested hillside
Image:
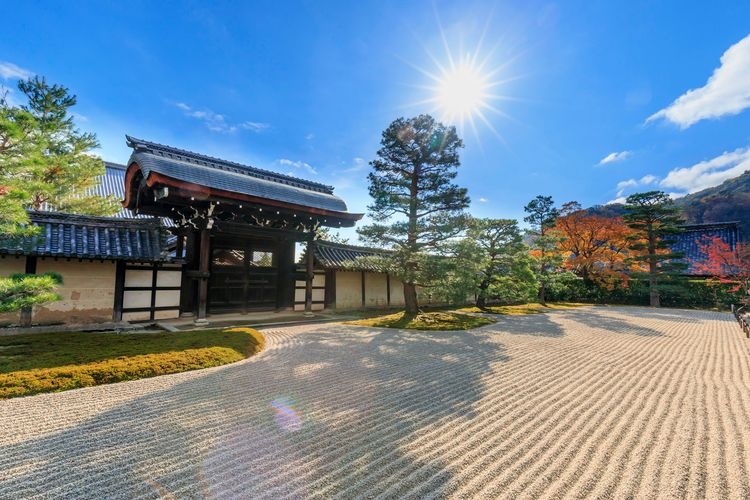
x: 727, y: 202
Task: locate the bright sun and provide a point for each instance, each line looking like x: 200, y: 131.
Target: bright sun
x: 462, y: 93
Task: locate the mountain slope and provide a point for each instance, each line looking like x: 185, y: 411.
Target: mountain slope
x: 727, y: 202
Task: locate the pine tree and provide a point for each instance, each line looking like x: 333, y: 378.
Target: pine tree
x: 416, y: 206
x: 655, y: 221
x: 502, y: 256
x: 63, y: 172
x: 45, y: 162
x: 544, y: 245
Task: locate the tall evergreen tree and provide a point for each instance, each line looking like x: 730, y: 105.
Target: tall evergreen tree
x: 416, y: 205
x: 502, y: 256
x: 66, y: 171
x: 655, y: 221
x: 45, y: 162
x: 544, y: 245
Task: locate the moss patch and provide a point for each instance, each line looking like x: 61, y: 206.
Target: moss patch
x: 50, y: 362
x: 425, y: 321
x: 521, y: 309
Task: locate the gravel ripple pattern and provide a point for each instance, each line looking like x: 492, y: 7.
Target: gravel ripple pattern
x: 605, y: 402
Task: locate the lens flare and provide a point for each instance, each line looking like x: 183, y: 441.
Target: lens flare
x: 285, y: 415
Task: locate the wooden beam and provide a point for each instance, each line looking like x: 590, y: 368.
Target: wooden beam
x: 310, y: 261
x: 330, y: 288
x: 188, y: 289
x: 205, y: 247
x: 154, y: 278
x: 119, y: 291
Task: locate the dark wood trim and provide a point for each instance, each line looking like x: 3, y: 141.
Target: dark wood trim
x: 179, y: 246
x: 30, y: 265
x: 154, y: 278
x: 120, y: 268
x: 205, y: 254
x: 147, y: 288
x: 363, y: 288
x: 150, y: 265
x: 310, y: 275
x: 149, y: 309
x: 314, y: 288
x: 187, y: 284
x: 330, y: 288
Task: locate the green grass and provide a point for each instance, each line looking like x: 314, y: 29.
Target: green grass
x: 50, y: 362
x: 521, y: 309
x: 425, y: 321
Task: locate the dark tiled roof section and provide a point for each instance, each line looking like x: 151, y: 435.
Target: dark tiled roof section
x: 89, y: 237
x: 687, y: 242
x: 214, y: 173
x: 331, y: 255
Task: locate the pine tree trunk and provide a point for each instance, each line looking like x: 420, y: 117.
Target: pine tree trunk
x: 481, y: 301
x: 653, y: 272
x: 410, y: 298
x: 653, y: 291
x: 543, y: 294
x: 482, y: 297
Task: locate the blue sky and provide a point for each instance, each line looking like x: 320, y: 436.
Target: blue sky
x: 659, y: 88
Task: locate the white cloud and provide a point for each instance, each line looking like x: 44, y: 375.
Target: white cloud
x: 254, y: 126
x: 615, y: 157
x: 217, y: 122
x: 299, y: 165
x: 648, y: 179
x: 623, y: 186
x: 727, y: 91
x: 681, y: 181
x: 708, y: 173
x: 310, y: 136
x: 11, y: 71
x: 483, y: 200
x: 358, y: 165
x: 619, y: 199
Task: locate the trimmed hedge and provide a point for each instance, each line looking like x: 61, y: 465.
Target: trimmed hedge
x: 689, y: 294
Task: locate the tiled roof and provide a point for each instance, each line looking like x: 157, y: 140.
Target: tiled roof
x: 89, y: 237
x: 687, y: 242
x: 329, y: 255
x: 214, y: 173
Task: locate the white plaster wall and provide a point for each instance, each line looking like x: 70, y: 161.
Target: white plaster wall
x: 88, y: 291
x: 376, y: 290
x: 397, y: 292
x: 348, y: 290
x: 12, y: 265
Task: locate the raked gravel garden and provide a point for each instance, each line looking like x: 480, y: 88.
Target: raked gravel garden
x: 593, y: 401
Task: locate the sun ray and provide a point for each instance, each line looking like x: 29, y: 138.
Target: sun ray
x: 463, y: 86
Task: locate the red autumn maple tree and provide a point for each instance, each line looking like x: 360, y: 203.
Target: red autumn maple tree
x: 725, y: 263
x: 596, y: 247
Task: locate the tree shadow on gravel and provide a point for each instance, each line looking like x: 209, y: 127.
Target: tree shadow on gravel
x: 604, y: 320
x: 331, y: 411
x: 538, y: 325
